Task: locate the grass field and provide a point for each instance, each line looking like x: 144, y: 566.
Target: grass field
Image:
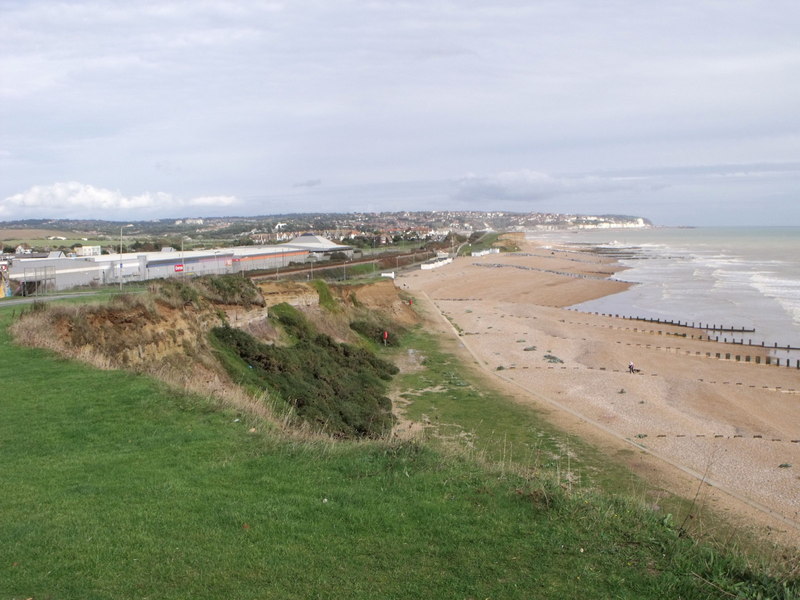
x: 116, y: 487
x: 38, y: 238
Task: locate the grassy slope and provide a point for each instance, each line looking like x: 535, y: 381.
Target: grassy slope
x: 485, y: 242
x: 463, y: 409
x: 490, y: 240
x: 114, y: 487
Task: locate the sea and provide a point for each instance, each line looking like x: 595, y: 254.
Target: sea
x: 733, y: 277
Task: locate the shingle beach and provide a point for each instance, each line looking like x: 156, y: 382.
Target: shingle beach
x: 734, y: 425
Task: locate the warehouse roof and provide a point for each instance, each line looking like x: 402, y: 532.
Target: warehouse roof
x: 315, y: 243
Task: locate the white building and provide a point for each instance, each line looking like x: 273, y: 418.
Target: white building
x: 88, y: 251
x: 57, y: 272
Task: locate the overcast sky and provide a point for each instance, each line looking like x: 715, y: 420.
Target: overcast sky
x: 684, y: 112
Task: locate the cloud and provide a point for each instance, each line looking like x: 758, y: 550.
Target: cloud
x: 72, y: 199
x: 308, y: 183
x: 531, y: 186
x: 592, y: 98
x: 627, y: 191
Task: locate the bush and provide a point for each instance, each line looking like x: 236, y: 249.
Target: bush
x: 220, y: 289
x: 292, y: 320
x: 177, y: 292
x: 374, y: 332
x: 339, y: 388
x: 230, y: 289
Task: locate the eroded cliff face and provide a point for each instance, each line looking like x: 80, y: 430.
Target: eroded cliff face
x: 298, y: 294
x: 131, y: 336
x: 148, y: 333
x: 379, y: 300
x: 135, y: 333
x: 380, y: 297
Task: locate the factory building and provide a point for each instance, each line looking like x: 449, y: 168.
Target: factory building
x: 60, y: 272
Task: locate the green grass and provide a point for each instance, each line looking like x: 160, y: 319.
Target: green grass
x: 485, y: 242
x: 326, y: 300
x: 464, y: 409
x: 362, y: 270
x: 116, y: 487
x: 338, y: 273
x: 42, y: 242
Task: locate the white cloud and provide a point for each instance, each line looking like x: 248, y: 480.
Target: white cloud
x: 72, y: 199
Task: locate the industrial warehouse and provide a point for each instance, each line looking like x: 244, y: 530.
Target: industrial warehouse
x: 59, y: 272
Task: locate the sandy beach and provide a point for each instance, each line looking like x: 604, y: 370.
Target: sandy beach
x: 728, y: 428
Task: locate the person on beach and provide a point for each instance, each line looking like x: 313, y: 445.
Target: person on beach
x: 631, y: 368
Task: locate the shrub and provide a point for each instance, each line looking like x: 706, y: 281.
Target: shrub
x: 221, y: 289
x: 177, y: 292
x: 374, y: 332
x: 292, y: 320
x: 230, y: 289
x: 339, y: 388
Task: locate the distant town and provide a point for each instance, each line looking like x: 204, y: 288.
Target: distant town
x: 354, y: 229
x: 45, y: 255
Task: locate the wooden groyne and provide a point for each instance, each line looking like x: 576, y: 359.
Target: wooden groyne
x: 714, y: 338
x: 692, y: 325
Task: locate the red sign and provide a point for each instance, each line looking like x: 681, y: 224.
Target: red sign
x: 178, y: 268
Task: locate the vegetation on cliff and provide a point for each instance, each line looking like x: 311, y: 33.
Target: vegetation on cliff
x: 338, y: 388
x: 334, y: 387
x: 219, y: 289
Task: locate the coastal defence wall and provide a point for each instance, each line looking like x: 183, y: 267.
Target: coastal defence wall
x: 436, y: 265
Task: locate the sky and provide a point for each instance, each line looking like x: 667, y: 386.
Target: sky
x: 682, y: 112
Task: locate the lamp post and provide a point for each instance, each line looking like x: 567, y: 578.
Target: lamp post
x: 120, y: 253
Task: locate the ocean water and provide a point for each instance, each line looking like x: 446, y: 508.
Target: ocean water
x: 733, y: 276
